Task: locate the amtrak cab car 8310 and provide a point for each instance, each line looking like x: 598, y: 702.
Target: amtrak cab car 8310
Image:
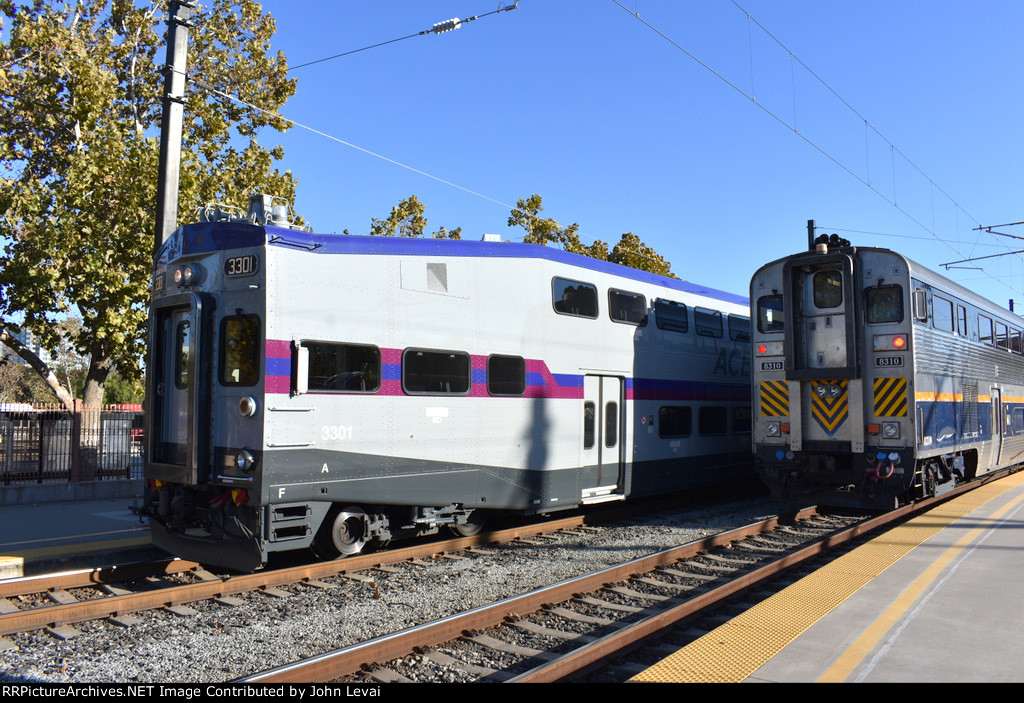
x: 877, y: 381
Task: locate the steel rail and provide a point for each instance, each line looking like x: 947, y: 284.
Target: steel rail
x: 218, y: 587
x: 351, y: 659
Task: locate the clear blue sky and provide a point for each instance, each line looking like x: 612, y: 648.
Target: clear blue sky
x: 714, y: 145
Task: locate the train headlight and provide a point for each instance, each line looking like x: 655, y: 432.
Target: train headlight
x: 247, y: 407
x: 189, y: 275
x: 891, y: 430
x: 834, y: 391
x: 193, y: 274
x: 245, y: 461
x: 821, y: 391
x: 772, y: 429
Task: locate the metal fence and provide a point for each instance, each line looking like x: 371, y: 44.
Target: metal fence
x: 48, y: 443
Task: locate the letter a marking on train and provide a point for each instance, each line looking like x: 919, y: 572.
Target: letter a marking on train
x: 325, y: 470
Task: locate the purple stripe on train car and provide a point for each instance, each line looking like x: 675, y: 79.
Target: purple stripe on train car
x: 279, y: 366
x: 540, y: 381
x: 658, y: 389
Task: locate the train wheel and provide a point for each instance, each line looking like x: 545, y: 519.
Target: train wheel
x: 342, y: 534
x: 473, y: 525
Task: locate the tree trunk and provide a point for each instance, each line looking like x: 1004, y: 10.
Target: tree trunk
x: 96, y: 378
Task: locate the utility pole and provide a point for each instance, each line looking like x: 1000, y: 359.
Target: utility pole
x: 178, y: 13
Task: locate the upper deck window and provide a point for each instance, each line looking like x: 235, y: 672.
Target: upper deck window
x: 240, y: 350
x: 1002, y: 336
x: 942, y: 313
x: 985, y: 334
x: 707, y: 323
x: 828, y: 289
x: 884, y: 304
x: 574, y: 298
x: 630, y: 308
x: 739, y: 328
x: 770, y: 314
x: 670, y: 315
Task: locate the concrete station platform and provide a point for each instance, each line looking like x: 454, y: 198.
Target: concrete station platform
x: 40, y: 537
x: 937, y: 599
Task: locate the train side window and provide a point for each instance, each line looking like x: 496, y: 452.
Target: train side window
x: 828, y: 289
x: 711, y: 421
x: 611, y: 424
x: 674, y: 421
x: 506, y: 375
x: 182, y: 349
x: 670, y: 315
x: 770, y: 314
x: 741, y: 420
x: 346, y: 368
x: 707, y: 323
x: 1002, y: 336
x: 629, y: 308
x: 942, y: 313
x: 985, y: 329
x: 240, y: 351
x: 589, y: 417
x: 1015, y: 342
x: 961, y: 320
x: 435, y: 372
x: 884, y: 304
x: 574, y: 298
x: 739, y: 328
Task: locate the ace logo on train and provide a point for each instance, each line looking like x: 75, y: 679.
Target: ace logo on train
x: 732, y: 362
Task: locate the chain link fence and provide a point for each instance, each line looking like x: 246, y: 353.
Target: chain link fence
x: 49, y: 444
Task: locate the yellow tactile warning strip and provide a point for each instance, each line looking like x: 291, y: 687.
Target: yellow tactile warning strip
x: 734, y: 651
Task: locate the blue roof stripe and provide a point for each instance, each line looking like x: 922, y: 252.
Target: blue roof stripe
x: 204, y: 237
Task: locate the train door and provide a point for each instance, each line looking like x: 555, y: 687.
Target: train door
x: 822, y: 351
x: 602, y: 452
x: 174, y: 385
x: 998, y: 426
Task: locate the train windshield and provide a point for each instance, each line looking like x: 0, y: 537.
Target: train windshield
x: 884, y: 304
x: 239, y: 351
x: 828, y: 289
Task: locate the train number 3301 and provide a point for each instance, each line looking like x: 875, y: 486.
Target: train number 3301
x: 241, y: 265
x: 336, y: 432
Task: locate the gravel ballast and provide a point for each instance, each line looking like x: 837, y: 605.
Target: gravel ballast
x: 223, y: 642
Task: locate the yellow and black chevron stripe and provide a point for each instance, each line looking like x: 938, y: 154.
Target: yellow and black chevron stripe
x: 890, y: 397
x: 774, y: 399
x: 829, y: 411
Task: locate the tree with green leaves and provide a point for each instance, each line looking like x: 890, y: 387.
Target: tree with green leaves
x: 630, y: 251
x: 80, y: 108
x: 407, y: 220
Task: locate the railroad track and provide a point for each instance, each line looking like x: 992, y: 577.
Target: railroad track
x: 554, y: 633
x: 606, y: 625
x: 56, y: 602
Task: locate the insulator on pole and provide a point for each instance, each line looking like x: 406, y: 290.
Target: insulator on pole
x: 447, y: 25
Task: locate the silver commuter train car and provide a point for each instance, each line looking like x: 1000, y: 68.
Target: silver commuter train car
x: 877, y: 381
x: 326, y: 391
